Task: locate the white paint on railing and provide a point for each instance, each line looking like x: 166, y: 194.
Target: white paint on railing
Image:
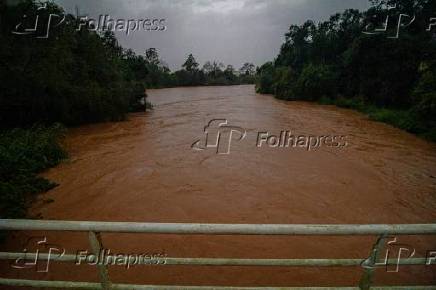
x: 89, y: 285
x: 217, y: 229
x: 94, y: 228
x: 224, y: 261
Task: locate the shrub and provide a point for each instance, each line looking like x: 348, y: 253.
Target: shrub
x: 23, y: 154
x: 265, y: 78
x: 402, y: 119
x: 425, y: 93
x: 284, y: 83
x: 315, y: 82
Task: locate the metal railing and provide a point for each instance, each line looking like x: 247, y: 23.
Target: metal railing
x: 95, y: 228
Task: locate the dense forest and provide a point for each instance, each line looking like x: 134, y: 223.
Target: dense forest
x: 376, y: 61
x: 80, y: 76
x: 60, y: 76
x: 73, y: 77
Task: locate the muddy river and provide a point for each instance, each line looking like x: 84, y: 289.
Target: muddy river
x: 146, y: 170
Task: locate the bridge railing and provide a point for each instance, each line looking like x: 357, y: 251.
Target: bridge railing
x: 94, y: 230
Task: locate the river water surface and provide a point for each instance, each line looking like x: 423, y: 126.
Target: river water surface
x: 145, y: 170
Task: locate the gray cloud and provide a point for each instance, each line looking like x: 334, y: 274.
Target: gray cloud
x: 231, y: 31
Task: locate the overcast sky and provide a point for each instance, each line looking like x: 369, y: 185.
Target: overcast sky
x: 229, y: 31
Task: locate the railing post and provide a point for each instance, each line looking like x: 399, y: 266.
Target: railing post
x: 96, y: 247
x: 369, y: 264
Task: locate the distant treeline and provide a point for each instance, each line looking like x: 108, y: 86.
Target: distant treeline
x: 346, y: 61
x: 82, y: 76
x: 158, y: 75
x: 212, y: 73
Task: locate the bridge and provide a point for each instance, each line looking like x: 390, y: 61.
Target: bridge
x: 94, y: 230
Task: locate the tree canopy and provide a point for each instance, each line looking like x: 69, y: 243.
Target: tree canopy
x: 384, y: 56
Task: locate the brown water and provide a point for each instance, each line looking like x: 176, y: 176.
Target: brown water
x: 144, y: 170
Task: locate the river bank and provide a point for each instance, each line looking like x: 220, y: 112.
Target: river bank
x: 145, y: 170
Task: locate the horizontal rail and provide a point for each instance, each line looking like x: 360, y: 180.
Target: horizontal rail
x: 94, y: 228
x: 225, y: 261
x: 219, y: 229
x: 89, y: 285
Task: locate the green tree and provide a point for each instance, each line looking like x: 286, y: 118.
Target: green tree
x: 265, y: 78
x: 346, y: 60
x: 315, y: 82
x: 152, y: 56
x: 190, y: 64
x: 247, y: 69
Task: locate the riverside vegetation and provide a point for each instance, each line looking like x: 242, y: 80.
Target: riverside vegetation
x: 392, y: 79
x: 77, y: 77
x: 68, y: 79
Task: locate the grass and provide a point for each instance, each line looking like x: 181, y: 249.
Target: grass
x: 406, y: 120
x: 23, y: 154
